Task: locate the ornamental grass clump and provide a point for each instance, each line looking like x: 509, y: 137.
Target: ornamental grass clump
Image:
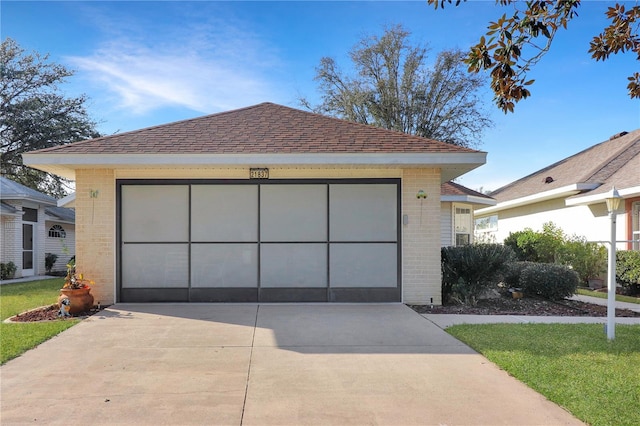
x: 469, y: 270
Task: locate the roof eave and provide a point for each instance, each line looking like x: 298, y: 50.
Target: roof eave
x: 455, y: 164
x: 562, y: 192
x: 586, y: 200
x: 469, y: 199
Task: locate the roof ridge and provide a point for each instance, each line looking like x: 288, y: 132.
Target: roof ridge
x: 155, y: 126
x: 587, y: 176
x: 278, y: 110
x: 624, y: 154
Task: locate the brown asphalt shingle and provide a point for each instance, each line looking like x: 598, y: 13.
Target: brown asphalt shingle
x: 262, y: 128
x: 612, y: 162
x: 453, y: 188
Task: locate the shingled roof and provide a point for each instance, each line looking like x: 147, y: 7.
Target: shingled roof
x: 452, y: 191
x: 262, y: 128
x: 614, y: 162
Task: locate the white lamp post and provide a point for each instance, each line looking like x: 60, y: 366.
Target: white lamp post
x: 613, y: 201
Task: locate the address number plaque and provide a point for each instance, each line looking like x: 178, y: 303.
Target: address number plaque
x: 259, y: 173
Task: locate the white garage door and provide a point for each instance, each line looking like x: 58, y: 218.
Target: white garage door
x: 273, y: 241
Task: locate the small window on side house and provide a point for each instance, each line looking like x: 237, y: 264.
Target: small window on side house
x: 57, y: 231
x: 462, y: 225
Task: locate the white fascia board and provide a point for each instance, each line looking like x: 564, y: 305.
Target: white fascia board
x: 69, y: 201
x: 469, y: 199
x: 369, y: 159
x: 48, y: 218
x: 65, y: 164
x: 634, y: 191
x: 562, y: 192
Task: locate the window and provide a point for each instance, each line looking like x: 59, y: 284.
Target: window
x: 487, y: 224
x: 29, y: 215
x: 56, y: 231
x: 462, y: 224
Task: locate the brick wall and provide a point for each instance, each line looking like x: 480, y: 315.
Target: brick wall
x: 95, y: 231
x: 95, y: 222
x: 421, y: 236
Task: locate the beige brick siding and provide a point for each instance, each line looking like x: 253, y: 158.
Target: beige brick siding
x: 95, y: 231
x: 421, y: 236
x: 95, y: 221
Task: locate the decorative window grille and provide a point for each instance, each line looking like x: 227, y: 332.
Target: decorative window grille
x: 57, y: 231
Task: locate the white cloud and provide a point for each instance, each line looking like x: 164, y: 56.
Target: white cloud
x: 208, y: 68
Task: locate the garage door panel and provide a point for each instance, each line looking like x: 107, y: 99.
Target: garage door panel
x: 293, y: 213
x: 224, y: 213
x: 363, y: 212
x: 364, y: 265
x: 155, y: 265
x: 293, y: 265
x: 155, y: 213
x: 259, y: 241
x: 224, y: 265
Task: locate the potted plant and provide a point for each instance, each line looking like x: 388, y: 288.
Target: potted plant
x: 77, y: 289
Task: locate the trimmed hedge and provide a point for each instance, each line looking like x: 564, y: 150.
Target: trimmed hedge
x: 549, y: 281
x: 467, y: 271
x: 513, y: 271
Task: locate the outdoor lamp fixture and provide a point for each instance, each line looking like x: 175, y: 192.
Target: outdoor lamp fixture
x: 613, y: 202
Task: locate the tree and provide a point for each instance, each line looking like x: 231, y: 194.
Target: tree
x: 514, y: 44
x: 35, y: 115
x: 394, y: 89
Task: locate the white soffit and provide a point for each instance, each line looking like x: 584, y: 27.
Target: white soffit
x: 66, y: 164
x: 585, y: 200
x: 470, y: 199
x: 562, y: 192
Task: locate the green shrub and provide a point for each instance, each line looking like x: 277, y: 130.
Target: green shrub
x: 533, y: 246
x: 469, y: 270
x: 49, y: 261
x: 589, y: 260
x: 512, y: 273
x: 628, y: 271
x: 512, y: 241
x: 549, y: 281
x: 7, y: 270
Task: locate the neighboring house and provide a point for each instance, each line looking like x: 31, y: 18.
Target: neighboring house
x: 32, y: 226
x: 571, y: 193
x: 264, y: 203
x: 458, y: 204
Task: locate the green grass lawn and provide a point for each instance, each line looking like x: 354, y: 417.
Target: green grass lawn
x: 601, y: 295
x: 15, y: 339
x: 573, y: 365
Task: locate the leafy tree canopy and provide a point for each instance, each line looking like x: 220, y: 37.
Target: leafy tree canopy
x: 392, y: 87
x: 35, y: 115
x: 531, y: 28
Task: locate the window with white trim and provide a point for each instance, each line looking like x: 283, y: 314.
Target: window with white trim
x: 462, y: 224
x: 57, y: 231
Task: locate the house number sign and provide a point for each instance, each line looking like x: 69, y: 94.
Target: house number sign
x: 258, y: 173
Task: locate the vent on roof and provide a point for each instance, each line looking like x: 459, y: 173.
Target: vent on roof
x: 548, y: 179
x: 618, y: 135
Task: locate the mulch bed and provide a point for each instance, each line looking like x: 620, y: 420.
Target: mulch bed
x: 525, y: 306
x: 49, y: 313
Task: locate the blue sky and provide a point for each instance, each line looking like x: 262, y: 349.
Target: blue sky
x: 146, y: 63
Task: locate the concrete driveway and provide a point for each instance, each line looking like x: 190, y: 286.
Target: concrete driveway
x: 285, y: 364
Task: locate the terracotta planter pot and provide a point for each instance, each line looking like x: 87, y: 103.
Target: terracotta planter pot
x: 81, y: 299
